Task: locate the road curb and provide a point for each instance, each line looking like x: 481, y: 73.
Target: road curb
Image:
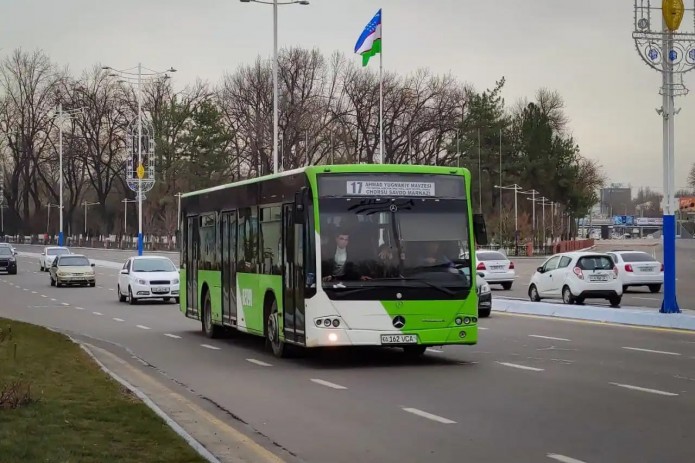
x: 190, y: 440
x: 623, y: 316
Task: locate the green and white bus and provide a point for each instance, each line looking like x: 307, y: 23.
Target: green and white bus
x: 344, y: 255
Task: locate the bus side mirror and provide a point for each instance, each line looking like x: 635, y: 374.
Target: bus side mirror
x: 479, y: 229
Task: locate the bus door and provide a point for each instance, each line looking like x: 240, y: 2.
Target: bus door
x: 229, y: 312
x: 192, y: 256
x: 293, y: 275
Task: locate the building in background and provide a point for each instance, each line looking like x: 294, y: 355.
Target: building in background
x: 616, y: 200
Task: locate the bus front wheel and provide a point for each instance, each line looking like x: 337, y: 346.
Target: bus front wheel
x: 273, y: 332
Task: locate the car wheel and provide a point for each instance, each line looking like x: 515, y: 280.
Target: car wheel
x: 131, y: 299
x: 615, y: 301
x: 533, y: 294
x: 58, y: 283
x: 485, y: 313
x: 121, y: 297
x: 53, y: 283
x: 177, y: 300
x: 507, y: 286
x: 625, y: 288
x: 654, y: 288
x: 567, y: 296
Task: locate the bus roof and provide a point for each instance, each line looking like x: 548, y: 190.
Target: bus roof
x: 341, y: 168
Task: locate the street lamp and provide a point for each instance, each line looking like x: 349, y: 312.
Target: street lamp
x: 61, y: 115
x: 85, y: 204
x: 543, y: 201
x: 129, y: 75
x: 275, y: 4
x: 533, y: 194
x: 670, y: 50
x: 516, y: 189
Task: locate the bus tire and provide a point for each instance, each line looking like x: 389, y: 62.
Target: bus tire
x: 272, y: 332
x: 211, y: 330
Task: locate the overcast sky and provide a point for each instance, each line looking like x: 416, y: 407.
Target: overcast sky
x: 582, y: 48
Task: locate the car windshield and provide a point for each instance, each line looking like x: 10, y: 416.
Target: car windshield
x: 57, y: 252
x: 378, y: 240
x: 637, y: 257
x: 491, y: 256
x: 5, y: 251
x: 153, y: 265
x: 595, y: 263
x: 73, y: 261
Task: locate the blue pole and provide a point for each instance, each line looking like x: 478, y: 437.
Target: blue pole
x: 670, y: 303
x: 140, y: 243
x: 60, y: 239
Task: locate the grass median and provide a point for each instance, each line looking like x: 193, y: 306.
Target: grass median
x: 57, y: 405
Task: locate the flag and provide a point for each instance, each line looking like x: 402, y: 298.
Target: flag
x: 369, y: 43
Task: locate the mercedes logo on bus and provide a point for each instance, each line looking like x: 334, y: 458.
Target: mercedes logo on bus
x: 398, y: 321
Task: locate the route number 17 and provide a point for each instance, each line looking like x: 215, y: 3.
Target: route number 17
x: 355, y: 188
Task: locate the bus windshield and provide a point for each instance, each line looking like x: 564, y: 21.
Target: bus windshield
x: 384, y: 241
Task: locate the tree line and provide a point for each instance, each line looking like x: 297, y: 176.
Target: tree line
x: 206, y: 134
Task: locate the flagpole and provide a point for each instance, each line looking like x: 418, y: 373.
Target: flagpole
x: 381, y: 93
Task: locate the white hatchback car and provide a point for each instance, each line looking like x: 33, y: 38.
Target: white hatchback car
x: 576, y: 276
x: 148, y: 277
x: 638, y: 268
x: 496, y: 268
x: 49, y: 254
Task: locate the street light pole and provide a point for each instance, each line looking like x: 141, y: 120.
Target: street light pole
x: 60, y: 170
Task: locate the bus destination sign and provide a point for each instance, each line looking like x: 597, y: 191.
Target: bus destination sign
x: 388, y: 188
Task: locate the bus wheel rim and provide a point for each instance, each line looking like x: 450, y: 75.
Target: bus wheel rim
x: 272, y: 328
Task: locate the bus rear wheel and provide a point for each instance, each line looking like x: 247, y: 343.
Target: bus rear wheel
x: 211, y: 330
x: 273, y: 332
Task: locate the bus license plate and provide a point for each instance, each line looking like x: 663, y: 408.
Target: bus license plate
x: 398, y: 339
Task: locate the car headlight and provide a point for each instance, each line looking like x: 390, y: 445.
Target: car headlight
x: 175, y: 281
x: 484, y: 288
x: 141, y: 282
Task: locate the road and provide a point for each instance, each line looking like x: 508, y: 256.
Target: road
x: 538, y: 389
x: 635, y: 297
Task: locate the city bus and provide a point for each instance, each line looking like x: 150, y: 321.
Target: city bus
x: 336, y: 255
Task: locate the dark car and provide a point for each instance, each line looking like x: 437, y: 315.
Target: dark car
x: 484, y: 297
x: 8, y: 262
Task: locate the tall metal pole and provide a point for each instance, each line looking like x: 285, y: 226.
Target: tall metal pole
x: 48, y: 221
x: 140, y: 240
x: 480, y: 178
x: 85, y: 220
x: 275, y: 87
x: 500, y: 227
x: 60, y: 169
x: 381, y: 101
x: 125, y: 217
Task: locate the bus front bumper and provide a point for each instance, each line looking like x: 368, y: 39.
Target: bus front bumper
x: 320, y: 337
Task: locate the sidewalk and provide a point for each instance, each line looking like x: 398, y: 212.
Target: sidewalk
x: 624, y: 316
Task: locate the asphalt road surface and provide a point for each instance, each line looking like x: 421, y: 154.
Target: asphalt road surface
x: 635, y: 297
x: 533, y: 389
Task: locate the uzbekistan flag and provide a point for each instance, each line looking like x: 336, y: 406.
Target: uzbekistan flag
x: 369, y: 43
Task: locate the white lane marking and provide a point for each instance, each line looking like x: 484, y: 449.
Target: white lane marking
x: 143, y: 327
x: 651, y: 351
x: 118, y: 319
x: 97, y: 313
x: 43, y: 295
x: 644, y: 389
x: 172, y: 336
x: 483, y: 328
x: 429, y: 416
x: 208, y: 346
x: 54, y: 300
x: 258, y: 362
x: 65, y: 304
x: 563, y: 458
x: 548, y: 337
x: 25, y: 289
x: 79, y: 308
x: 521, y: 367
x: 327, y: 383
x: 646, y: 298
x: 111, y: 289
x: 34, y: 292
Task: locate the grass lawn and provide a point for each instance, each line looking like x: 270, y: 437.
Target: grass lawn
x: 79, y: 414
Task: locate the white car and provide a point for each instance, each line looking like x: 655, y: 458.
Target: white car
x: 577, y: 276
x: 49, y: 254
x: 496, y: 268
x: 148, y: 277
x: 638, y: 268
